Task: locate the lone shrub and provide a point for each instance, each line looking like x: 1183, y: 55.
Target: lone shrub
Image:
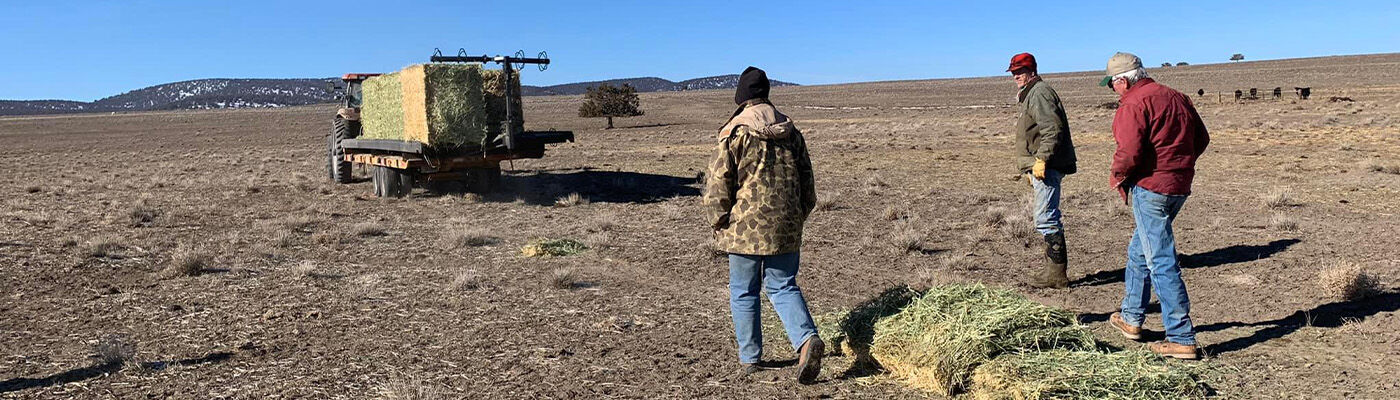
x: 1347, y: 281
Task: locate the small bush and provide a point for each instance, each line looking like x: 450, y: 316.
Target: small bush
x: 604, y: 222
x: 573, y: 199
x: 553, y: 248
x: 1347, y: 281
x: 305, y: 269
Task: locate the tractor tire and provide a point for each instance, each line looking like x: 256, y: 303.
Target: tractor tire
x: 337, y: 168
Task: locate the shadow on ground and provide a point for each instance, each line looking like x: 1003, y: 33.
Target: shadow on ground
x: 545, y: 187
x: 1330, y: 315
x: 85, y: 373
x: 1222, y: 256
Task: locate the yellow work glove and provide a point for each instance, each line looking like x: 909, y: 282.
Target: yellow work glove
x: 1038, y: 169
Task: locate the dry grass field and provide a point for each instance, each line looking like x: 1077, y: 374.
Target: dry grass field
x: 207, y: 254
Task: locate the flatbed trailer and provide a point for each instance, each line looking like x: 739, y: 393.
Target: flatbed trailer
x: 396, y: 166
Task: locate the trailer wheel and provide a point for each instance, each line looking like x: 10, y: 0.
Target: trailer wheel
x: 484, y: 180
x: 376, y: 179
x: 391, y: 182
x: 337, y: 168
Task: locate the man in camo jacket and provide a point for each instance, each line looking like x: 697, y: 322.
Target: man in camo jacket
x: 759, y: 192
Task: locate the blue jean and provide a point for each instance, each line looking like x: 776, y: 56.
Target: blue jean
x: 1046, y: 204
x: 778, y: 276
x: 1152, y: 266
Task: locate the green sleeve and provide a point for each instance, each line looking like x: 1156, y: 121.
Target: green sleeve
x: 1044, y: 107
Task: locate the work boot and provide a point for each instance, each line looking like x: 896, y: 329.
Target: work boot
x: 1056, y: 262
x: 746, y: 370
x: 1131, y: 332
x: 1174, y: 350
x: 809, y: 360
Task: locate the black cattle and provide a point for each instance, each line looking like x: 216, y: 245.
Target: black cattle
x: 1238, y: 95
x: 1278, y: 92
x: 1302, y: 92
x: 1200, y: 92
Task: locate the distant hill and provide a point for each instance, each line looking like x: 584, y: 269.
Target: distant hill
x: 195, y: 94
x: 643, y: 85
x: 273, y: 93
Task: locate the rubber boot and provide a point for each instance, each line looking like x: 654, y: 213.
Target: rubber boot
x: 1055, y: 263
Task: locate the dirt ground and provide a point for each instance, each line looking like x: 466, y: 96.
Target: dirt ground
x: 317, y: 290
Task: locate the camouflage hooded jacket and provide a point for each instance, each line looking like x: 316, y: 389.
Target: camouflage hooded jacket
x: 759, y: 188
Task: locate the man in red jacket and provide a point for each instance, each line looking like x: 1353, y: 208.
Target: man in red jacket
x: 1159, y: 136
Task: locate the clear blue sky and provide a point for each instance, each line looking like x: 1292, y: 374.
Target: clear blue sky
x: 85, y: 50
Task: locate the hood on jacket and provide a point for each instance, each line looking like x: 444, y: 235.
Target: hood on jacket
x: 753, y: 84
x: 761, y: 119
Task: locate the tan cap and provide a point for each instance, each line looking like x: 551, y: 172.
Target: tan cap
x: 1120, y: 62
x: 1123, y: 62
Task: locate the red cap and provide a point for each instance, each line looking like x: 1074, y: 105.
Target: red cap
x: 1023, y: 60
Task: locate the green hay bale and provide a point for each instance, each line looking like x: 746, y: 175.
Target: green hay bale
x: 494, y: 87
x: 442, y: 105
x: 1064, y: 374
x: 381, y: 110
x: 553, y: 248
x: 936, y: 341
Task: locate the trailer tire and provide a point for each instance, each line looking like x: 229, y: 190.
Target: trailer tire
x: 392, y: 182
x: 337, y: 168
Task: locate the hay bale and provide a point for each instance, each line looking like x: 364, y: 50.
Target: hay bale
x: 494, y: 87
x: 441, y: 105
x: 1064, y: 374
x: 936, y: 341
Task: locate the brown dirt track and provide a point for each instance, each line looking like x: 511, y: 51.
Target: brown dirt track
x: 295, y: 303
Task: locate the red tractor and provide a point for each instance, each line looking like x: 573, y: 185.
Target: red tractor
x: 396, y: 166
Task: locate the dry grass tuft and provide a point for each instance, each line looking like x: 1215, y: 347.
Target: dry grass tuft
x: 471, y: 198
x: 366, y: 229
x: 553, y: 248
x: 907, y: 238
x: 115, y: 350
x: 563, y: 278
x: 299, y: 223
x: 708, y: 249
x: 405, y: 387
x: 306, y: 269
x: 188, y: 262
x: 1347, y: 281
x: 143, y: 214
x: 874, y: 180
x: 604, y: 222
x: 103, y: 247
x: 472, y: 237
x: 572, y: 199
x: 995, y: 216
x: 827, y: 202
x: 1279, y: 198
x: 467, y: 279
x: 894, y: 213
x: 599, y: 240
x: 1283, y: 222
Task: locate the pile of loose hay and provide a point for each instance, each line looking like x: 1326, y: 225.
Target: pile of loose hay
x: 936, y: 341
x: 443, y: 105
x: 553, y: 248
x: 1065, y: 374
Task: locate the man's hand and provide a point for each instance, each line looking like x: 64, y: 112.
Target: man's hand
x: 1038, y: 169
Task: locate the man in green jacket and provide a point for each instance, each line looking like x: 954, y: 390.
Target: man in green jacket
x: 1045, y: 154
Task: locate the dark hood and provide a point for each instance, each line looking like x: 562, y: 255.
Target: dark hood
x: 753, y: 84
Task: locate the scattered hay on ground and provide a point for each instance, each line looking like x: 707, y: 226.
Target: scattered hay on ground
x: 1065, y: 374
x: 572, y: 199
x: 553, y: 248
x: 936, y: 341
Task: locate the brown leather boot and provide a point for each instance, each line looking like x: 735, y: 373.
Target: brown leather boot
x: 1131, y: 332
x: 1056, y: 263
x: 809, y: 360
x: 1174, y: 350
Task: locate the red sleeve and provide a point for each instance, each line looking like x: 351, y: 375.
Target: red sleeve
x: 1202, y: 138
x: 1130, y: 132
